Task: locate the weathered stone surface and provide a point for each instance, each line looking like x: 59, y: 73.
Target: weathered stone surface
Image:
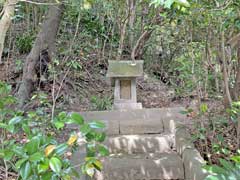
x: 134, y: 167
x: 172, y: 118
x: 77, y: 159
x: 144, y: 121
x: 193, y: 163
x: 127, y: 106
x: 139, y: 143
x: 110, y: 118
x: 125, y: 69
x: 183, y: 140
x: 137, y: 121
x: 125, y: 89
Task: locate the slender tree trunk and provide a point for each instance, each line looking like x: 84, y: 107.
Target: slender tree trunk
x: 132, y: 17
x: 44, y: 41
x: 225, y: 73
x: 236, y: 88
x: 123, y: 27
x: 5, y: 22
x: 137, y: 51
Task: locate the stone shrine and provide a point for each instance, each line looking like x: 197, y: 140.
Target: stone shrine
x: 123, y: 76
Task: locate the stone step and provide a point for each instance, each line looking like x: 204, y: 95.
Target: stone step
x: 139, y: 121
x: 130, y: 144
x: 157, y: 166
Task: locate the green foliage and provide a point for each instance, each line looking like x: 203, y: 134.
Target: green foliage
x: 234, y: 111
x: 169, y: 3
x: 229, y: 170
x: 75, y: 65
x: 36, y: 154
x: 24, y: 42
x: 101, y: 103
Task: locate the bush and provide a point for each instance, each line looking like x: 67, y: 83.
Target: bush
x: 35, y: 153
x: 229, y: 170
x: 24, y: 43
x: 101, y: 104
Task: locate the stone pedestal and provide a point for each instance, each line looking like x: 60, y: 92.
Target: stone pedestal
x: 123, y: 76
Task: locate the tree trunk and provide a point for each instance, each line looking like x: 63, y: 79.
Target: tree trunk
x: 132, y: 18
x: 236, y: 88
x: 225, y: 72
x: 44, y: 41
x: 123, y: 28
x: 5, y: 22
x: 137, y: 51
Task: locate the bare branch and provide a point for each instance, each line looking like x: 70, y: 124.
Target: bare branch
x: 40, y: 3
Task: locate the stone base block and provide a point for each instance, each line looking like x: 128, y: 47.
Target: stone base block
x: 135, y: 167
x: 127, y: 106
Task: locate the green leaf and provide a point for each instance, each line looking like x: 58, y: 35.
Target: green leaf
x: 214, y: 169
x: 76, y: 118
x: 43, y: 166
x: 11, y: 128
x: 97, y: 125
x: 3, y: 125
x: 15, y: 120
x: 103, y: 150
x: 25, y: 170
x: 62, y: 115
x: 98, y: 165
x: 61, y: 149
x: 55, y: 165
x: 100, y: 137
x: 90, y: 169
x: 211, y: 177
x: 85, y: 129
x: 58, y: 124
x: 8, y: 154
x: 18, y: 150
x: 236, y: 159
x: 26, y: 129
x: 32, y: 146
x: 36, y: 157
x: 1, y: 153
x: 168, y: 3
x: 20, y: 162
x: 47, y: 176
x: 184, y: 3
x: 203, y: 108
x: 227, y: 165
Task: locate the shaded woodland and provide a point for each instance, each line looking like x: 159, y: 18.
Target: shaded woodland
x: 54, y: 58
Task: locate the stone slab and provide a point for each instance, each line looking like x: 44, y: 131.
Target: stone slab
x: 110, y: 118
x: 172, y: 118
x: 183, y: 140
x: 192, y: 159
x: 145, y: 121
x: 127, y: 106
x: 139, y: 143
x: 193, y: 163
x: 125, y: 68
x: 163, y: 166
x: 137, y: 121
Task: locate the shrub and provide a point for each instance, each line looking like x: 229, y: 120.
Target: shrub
x: 229, y: 170
x: 35, y: 153
x: 24, y: 43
